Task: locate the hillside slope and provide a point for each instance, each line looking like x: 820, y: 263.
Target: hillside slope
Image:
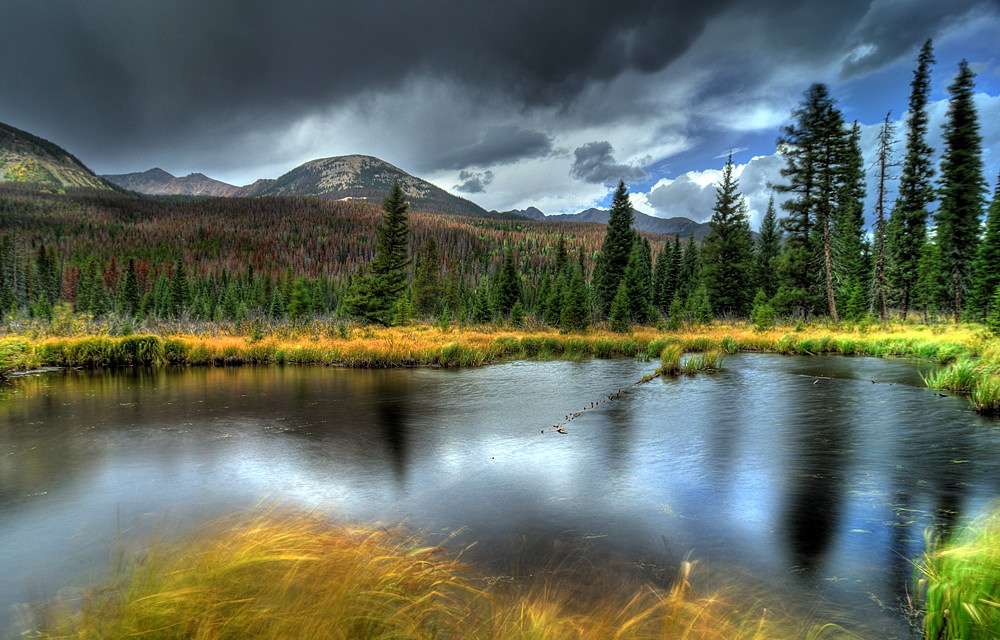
x: 26, y: 158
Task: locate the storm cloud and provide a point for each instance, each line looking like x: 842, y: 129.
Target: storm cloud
x: 534, y: 101
x: 474, y: 182
x: 595, y: 163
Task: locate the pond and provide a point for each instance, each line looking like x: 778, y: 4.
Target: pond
x: 817, y: 475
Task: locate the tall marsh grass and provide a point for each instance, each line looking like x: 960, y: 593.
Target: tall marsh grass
x: 960, y: 584
x: 296, y: 576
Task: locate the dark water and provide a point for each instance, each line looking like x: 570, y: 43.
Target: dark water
x: 801, y: 471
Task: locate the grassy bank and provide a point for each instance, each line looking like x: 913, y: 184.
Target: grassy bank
x: 428, y: 345
x: 970, y: 355
x: 296, y: 576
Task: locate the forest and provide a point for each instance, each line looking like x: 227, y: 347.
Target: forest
x: 934, y: 251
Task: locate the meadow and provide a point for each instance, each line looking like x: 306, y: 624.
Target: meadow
x: 969, y: 355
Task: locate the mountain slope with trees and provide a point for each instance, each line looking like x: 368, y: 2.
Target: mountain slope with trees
x: 26, y: 158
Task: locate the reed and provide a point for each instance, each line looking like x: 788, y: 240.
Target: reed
x: 290, y: 575
x: 709, y: 361
x: 986, y: 396
x: 959, y: 581
x: 670, y: 360
x: 962, y: 376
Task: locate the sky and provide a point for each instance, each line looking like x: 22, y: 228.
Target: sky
x: 511, y: 104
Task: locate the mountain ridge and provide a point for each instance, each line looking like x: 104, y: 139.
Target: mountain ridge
x: 24, y: 157
x: 350, y: 177
x: 676, y: 226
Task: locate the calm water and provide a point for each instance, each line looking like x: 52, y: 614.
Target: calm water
x: 802, y: 471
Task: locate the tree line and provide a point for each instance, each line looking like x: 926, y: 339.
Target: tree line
x: 935, y: 250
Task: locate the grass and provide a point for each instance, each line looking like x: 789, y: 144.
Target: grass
x: 960, y: 584
x: 293, y: 575
x: 969, y: 355
x: 360, y: 346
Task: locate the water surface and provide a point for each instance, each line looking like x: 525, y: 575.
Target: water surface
x: 819, y: 475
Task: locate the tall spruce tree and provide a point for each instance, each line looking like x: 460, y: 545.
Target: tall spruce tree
x: 505, y: 289
x: 575, y: 311
x: 908, y: 220
x: 962, y: 189
x: 689, y: 274
x: 128, y: 292
x: 767, y: 251
x: 427, y: 279
x: 179, y: 293
x: 986, y: 269
x: 850, y: 275
x: 611, y: 262
x: 813, y: 148
x: 727, y: 250
x: 880, y: 268
x: 661, y: 277
x: 375, y: 294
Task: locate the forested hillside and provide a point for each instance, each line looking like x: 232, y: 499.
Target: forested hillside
x: 229, y: 258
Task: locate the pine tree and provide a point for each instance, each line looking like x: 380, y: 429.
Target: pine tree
x: 575, y: 312
x: 179, y: 298
x: 767, y: 251
x: 689, y: 274
x: 48, y: 276
x: 962, y: 189
x: 619, y: 318
x: 506, y: 287
x: 427, y: 279
x: 376, y: 292
x: 562, y: 257
x: 554, y: 302
x: 929, y: 290
x: 481, y: 313
x: 727, y: 250
x: 908, y: 220
x: 300, y: 304
x: 128, y: 293
x: 814, y: 148
x: 661, y: 277
x: 986, y: 268
x: 615, y: 250
x: 636, y: 284
x: 849, y: 267
x: 880, y: 271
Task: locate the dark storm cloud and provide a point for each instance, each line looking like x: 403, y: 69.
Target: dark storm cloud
x: 497, y: 145
x: 595, y: 163
x: 474, y: 182
x: 886, y: 33
x: 137, y: 72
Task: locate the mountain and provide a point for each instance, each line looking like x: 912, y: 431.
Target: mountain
x: 358, y: 177
x: 353, y: 177
x: 677, y: 226
x: 158, y: 182
x: 28, y: 158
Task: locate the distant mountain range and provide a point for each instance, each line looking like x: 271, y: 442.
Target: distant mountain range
x: 353, y: 177
x: 678, y: 226
x: 27, y: 158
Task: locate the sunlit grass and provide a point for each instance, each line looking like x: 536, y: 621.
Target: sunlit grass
x: 296, y: 576
x: 960, y: 584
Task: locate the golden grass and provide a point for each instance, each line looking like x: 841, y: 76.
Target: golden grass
x: 291, y: 575
x: 355, y: 346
